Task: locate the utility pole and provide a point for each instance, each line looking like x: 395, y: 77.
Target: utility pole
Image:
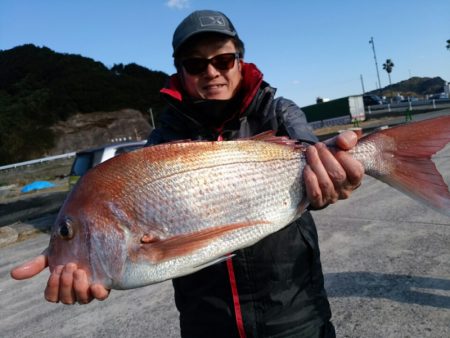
x: 150, y: 110
x: 362, y: 83
x: 376, y: 63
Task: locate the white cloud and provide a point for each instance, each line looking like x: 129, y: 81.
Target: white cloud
x: 295, y: 82
x: 177, y: 4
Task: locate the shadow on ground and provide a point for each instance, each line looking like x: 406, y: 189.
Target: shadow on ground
x: 33, y: 207
x: 400, y: 288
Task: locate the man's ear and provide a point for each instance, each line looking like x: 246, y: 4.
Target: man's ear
x: 181, y: 76
x: 240, y: 64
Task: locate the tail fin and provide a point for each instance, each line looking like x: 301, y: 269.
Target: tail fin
x: 403, y: 160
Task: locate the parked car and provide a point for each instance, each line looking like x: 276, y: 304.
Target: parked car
x: 410, y: 99
x: 372, y: 100
x: 397, y: 99
x: 87, y: 159
x: 438, y: 96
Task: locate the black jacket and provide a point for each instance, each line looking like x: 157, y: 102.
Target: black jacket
x: 274, y: 288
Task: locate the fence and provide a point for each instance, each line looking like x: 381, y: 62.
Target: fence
x: 37, y: 161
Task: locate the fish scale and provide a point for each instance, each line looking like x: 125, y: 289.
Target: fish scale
x: 230, y: 187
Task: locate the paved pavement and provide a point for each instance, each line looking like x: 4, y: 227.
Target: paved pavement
x: 386, y: 261
x: 144, y: 312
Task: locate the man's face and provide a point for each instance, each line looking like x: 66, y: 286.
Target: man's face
x: 212, y: 83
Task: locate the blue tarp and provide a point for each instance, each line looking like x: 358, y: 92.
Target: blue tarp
x: 37, y: 185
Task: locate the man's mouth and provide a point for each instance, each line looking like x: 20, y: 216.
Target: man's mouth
x: 213, y: 87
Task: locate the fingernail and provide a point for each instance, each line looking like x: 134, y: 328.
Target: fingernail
x: 71, y: 267
x: 79, y: 275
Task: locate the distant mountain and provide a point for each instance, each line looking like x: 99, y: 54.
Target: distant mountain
x: 415, y: 86
x: 40, y: 87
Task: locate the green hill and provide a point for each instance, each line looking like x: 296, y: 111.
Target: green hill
x: 414, y: 86
x: 39, y: 87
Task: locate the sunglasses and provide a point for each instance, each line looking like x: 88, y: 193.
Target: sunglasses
x: 195, y: 66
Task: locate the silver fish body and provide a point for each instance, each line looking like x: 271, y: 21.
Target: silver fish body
x: 159, y: 216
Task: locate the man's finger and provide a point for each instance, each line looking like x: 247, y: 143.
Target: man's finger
x: 30, y: 268
x: 81, y: 287
x: 99, y: 292
x: 312, y: 187
x: 345, y: 141
x: 333, y: 168
x: 51, y: 292
x: 315, y: 156
x: 353, y: 168
x: 66, y: 291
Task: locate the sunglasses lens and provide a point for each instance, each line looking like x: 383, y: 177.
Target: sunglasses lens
x: 195, y: 66
x: 223, y: 61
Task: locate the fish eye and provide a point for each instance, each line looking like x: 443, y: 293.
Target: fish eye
x: 66, y: 229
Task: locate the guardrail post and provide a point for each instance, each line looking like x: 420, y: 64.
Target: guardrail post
x: 408, y: 116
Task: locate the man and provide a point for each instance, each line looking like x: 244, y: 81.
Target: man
x: 275, y: 287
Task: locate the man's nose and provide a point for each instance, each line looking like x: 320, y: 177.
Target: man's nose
x: 212, y: 71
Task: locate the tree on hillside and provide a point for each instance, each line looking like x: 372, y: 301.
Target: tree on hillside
x: 40, y: 87
x: 448, y: 44
x: 387, y: 66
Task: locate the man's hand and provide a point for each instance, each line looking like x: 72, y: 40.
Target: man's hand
x: 67, y: 284
x: 331, y: 177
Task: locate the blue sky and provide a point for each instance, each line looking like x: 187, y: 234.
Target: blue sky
x: 305, y: 49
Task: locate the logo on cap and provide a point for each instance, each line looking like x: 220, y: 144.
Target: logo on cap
x: 212, y: 20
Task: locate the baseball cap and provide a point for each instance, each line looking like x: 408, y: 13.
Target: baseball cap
x: 204, y: 21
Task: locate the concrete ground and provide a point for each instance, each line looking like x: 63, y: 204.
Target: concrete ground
x: 386, y: 261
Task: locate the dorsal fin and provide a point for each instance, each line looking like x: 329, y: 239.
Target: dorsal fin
x: 270, y: 136
x: 266, y: 136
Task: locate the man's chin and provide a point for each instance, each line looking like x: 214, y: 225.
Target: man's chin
x: 217, y: 94
x: 217, y: 97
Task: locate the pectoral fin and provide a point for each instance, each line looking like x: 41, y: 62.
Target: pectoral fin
x: 182, y: 245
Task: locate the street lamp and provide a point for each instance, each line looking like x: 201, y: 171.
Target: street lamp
x: 376, y: 63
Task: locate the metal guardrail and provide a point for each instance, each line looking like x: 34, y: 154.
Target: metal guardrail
x: 410, y: 105
x: 330, y: 122
x: 384, y: 109
x: 37, y: 161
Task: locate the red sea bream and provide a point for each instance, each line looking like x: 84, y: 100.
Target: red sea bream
x: 169, y: 210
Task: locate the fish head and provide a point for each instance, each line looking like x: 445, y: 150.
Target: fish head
x: 86, y: 233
